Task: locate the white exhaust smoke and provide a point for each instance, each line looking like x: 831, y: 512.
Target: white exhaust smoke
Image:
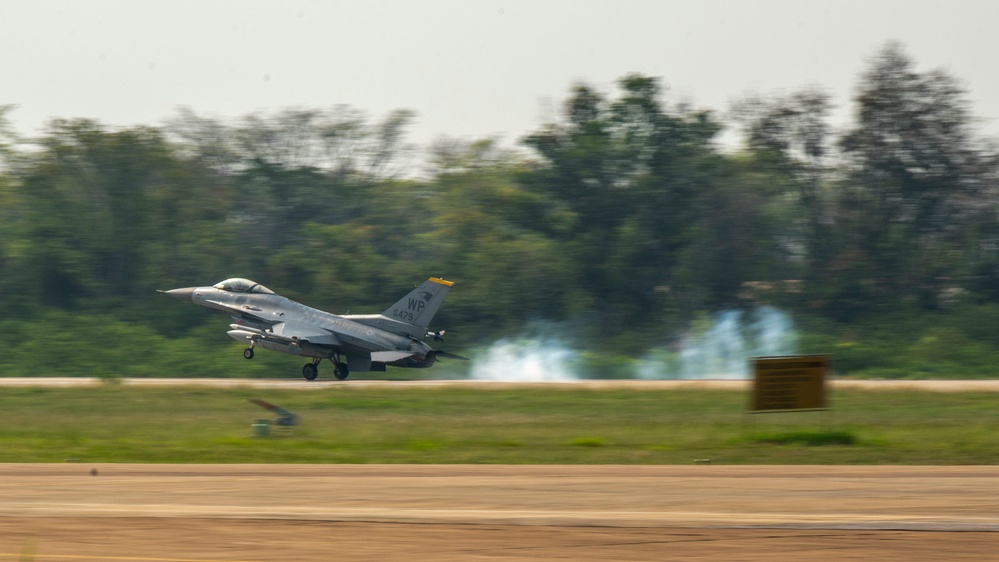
x: 722, y: 350
x: 526, y: 360
x: 719, y: 350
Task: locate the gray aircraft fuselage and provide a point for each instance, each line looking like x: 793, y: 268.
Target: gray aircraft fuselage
x: 369, y: 342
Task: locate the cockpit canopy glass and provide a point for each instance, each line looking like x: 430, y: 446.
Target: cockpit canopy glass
x: 240, y: 285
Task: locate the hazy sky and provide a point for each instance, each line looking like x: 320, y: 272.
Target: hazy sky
x: 468, y: 68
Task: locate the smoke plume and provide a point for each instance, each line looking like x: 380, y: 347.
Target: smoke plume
x: 540, y: 357
x: 723, y: 348
x: 720, y: 348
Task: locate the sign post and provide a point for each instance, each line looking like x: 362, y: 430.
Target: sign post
x: 789, y: 384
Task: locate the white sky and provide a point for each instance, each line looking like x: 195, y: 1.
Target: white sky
x: 471, y: 69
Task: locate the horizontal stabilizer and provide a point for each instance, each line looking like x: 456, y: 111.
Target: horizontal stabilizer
x: 447, y: 355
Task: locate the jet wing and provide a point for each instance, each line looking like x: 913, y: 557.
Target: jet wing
x: 291, y: 331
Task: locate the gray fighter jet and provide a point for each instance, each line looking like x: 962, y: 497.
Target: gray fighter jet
x: 358, y: 342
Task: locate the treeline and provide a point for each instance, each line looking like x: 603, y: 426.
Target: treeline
x: 622, y: 221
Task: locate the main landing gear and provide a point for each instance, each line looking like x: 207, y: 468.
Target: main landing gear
x: 311, y: 370
x: 341, y: 371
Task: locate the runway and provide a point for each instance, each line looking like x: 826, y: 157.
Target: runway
x: 243, y: 513
x: 472, y: 512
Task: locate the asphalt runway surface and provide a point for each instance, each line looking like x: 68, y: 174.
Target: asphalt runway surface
x: 238, y: 513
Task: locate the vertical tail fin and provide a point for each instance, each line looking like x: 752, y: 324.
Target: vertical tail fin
x: 420, y: 305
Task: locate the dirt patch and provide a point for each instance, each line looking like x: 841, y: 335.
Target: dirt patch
x: 404, y: 512
x: 202, y: 540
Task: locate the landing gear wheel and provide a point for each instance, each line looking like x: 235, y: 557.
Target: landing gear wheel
x: 248, y: 353
x: 341, y: 371
x: 310, y: 371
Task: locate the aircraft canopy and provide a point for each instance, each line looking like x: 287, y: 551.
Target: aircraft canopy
x: 240, y: 285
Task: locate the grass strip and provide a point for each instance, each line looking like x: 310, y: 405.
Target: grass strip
x: 560, y: 425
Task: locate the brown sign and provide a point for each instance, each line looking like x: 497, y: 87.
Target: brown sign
x: 789, y: 383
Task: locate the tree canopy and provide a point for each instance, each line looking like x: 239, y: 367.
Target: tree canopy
x: 623, y: 218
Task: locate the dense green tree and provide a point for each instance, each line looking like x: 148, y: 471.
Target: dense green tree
x: 639, y: 198
x: 790, y: 150
x: 9, y: 209
x: 297, y: 166
x: 89, y: 200
x: 917, y: 180
x: 483, y: 229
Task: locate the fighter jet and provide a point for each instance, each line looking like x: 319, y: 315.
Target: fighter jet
x: 359, y: 342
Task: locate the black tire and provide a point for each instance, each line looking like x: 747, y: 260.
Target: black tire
x: 248, y: 353
x: 341, y: 371
x: 310, y: 372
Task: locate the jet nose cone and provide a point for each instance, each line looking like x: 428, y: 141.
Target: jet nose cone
x: 184, y: 294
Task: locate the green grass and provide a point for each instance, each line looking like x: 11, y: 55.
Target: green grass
x: 561, y: 425
x: 813, y: 438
